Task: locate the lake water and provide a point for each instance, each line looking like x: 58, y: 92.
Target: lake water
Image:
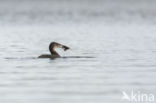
x: 120, y: 35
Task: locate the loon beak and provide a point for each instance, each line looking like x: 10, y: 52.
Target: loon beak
x: 65, y: 47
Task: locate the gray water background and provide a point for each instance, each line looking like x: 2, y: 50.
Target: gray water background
x: 119, y: 34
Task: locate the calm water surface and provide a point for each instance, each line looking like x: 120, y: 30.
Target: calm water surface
x: 121, y: 40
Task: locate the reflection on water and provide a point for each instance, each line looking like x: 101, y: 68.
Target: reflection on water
x: 112, y: 50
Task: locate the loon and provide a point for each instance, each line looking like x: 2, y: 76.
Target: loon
x: 54, y: 54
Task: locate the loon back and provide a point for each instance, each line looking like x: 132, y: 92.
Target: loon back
x: 49, y: 56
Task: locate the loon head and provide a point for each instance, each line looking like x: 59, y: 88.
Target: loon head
x: 65, y: 47
x: 54, y: 45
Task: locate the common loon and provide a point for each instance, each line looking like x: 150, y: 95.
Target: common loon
x: 54, y: 54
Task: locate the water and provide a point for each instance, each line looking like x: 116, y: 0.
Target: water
x: 119, y: 35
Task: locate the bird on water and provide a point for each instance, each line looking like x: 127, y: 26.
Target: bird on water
x: 53, y: 52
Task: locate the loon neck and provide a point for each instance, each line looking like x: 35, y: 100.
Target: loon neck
x: 53, y: 52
